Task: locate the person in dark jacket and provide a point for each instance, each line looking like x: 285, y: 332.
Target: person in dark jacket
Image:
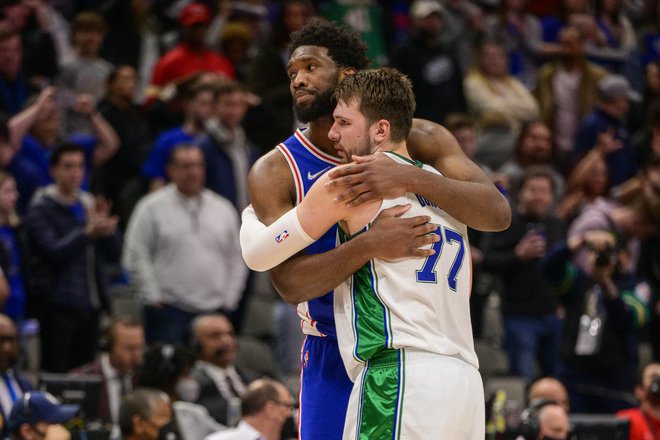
x: 529, y: 306
x: 70, y: 233
x: 604, y: 312
x: 432, y: 67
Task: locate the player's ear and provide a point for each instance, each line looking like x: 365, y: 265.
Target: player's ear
x: 382, y: 130
x: 345, y: 71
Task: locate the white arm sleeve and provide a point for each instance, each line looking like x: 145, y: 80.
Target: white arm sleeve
x: 264, y: 247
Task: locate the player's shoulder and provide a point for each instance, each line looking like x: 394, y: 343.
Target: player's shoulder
x: 429, y: 142
x: 270, y: 177
x: 269, y: 165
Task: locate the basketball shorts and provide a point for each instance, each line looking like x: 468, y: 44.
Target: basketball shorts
x: 324, y: 390
x: 415, y: 395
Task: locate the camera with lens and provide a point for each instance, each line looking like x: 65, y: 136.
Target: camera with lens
x: 604, y: 257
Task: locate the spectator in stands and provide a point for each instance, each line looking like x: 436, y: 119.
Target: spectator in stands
x: 519, y: 34
x: 650, y: 95
x: 12, y: 250
x: 489, y: 87
x: 143, y: 413
x: 268, y: 78
x: 567, y: 12
x: 37, y: 25
x: 647, y: 187
x: 530, y: 309
x: 70, y: 234
x: 553, y: 422
x: 614, y: 38
x: 265, y: 407
x: 133, y: 39
x: 168, y: 368
x: 549, y: 388
x: 533, y: 148
x: 236, y: 40
x: 645, y: 419
x: 14, y: 85
x: 566, y: 93
x: 605, y: 309
x: 220, y: 380
x: 35, y: 132
x: 120, y: 178
x: 635, y: 220
x: 588, y: 182
x: 496, y: 141
x: 38, y: 415
x: 84, y: 71
x: 433, y: 68
x: 199, y: 106
x: 13, y: 385
x: 228, y: 153
x: 190, y: 56
x: 182, y: 251
x: 463, y: 27
x: 122, y: 346
x: 609, y: 119
x: 647, y: 142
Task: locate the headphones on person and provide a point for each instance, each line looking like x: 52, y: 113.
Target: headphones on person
x: 107, y: 339
x: 530, y: 426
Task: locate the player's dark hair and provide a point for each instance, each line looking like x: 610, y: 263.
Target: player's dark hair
x: 344, y: 46
x: 383, y: 93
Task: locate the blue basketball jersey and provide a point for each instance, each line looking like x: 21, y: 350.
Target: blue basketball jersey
x: 307, y: 164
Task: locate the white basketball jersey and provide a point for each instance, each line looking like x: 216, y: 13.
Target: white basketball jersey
x: 413, y: 303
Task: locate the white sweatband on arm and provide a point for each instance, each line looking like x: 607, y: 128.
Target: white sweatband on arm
x: 264, y: 247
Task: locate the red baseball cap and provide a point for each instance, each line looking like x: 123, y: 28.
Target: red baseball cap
x: 195, y: 13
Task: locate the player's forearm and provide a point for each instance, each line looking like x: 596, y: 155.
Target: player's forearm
x: 305, y: 277
x: 477, y: 204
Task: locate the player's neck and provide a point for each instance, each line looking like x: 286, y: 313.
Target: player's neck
x: 317, y: 133
x: 399, y: 148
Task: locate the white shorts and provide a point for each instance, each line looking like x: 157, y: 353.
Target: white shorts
x: 407, y: 394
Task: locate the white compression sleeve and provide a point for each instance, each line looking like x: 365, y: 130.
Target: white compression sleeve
x: 264, y: 247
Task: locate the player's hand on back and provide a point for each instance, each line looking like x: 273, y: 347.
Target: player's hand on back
x: 368, y: 178
x: 392, y: 237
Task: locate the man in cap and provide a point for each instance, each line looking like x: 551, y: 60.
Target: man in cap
x: 192, y: 54
x: 35, y: 414
x: 603, y: 131
x: 431, y: 65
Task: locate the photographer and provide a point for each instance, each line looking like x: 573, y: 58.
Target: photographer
x: 604, y: 311
x: 645, y: 419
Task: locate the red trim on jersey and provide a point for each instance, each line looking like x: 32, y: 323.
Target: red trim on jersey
x: 300, y: 405
x: 297, y: 178
x: 314, y: 150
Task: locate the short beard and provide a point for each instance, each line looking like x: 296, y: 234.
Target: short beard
x: 323, y: 105
x: 364, y: 149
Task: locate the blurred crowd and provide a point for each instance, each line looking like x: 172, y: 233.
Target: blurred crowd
x: 128, y: 128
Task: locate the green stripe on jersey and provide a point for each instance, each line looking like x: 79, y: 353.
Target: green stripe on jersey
x: 382, y: 400
x: 371, y: 318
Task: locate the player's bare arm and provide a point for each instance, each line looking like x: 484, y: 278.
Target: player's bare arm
x: 305, y: 277
x: 464, y: 191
